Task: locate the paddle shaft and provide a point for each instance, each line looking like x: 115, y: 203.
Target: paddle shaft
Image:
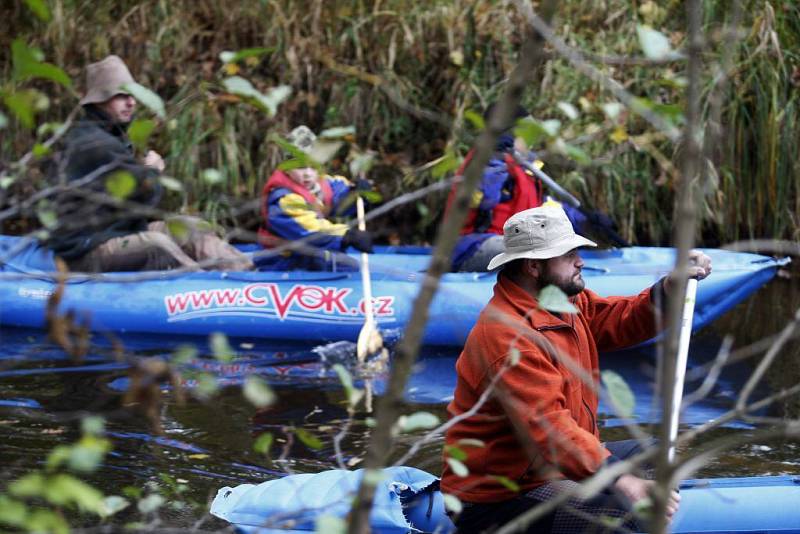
x: 566, y: 197
x: 559, y: 191
x: 680, y: 366
x: 366, y: 282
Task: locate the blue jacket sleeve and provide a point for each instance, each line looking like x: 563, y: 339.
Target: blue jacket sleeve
x: 290, y: 217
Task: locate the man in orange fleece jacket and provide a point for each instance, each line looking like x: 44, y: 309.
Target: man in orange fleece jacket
x: 538, y: 431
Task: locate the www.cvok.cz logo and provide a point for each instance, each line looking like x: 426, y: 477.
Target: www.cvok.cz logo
x: 267, y: 297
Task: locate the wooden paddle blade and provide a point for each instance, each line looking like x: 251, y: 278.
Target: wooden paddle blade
x: 369, y: 341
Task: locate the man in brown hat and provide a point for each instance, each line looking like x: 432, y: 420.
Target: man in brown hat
x: 538, y: 435
x: 95, y: 233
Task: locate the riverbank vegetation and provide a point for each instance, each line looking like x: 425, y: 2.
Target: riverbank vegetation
x: 404, y: 74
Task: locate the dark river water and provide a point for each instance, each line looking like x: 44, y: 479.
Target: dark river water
x: 204, y: 444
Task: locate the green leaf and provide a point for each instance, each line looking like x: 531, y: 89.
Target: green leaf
x: 643, y: 508
x: 3, y: 120
x: 257, y: 392
x: 113, y: 504
x: 553, y: 299
x: 446, y: 164
x: 310, y: 440
x: 475, y: 118
x: 28, y: 64
x: 619, y: 392
x: 43, y: 520
x: 354, y: 395
x: 672, y: 113
x: 531, y: 130
x: 452, y: 503
x: 227, y: 56
x: 121, y: 184
x: 551, y: 127
x: 170, y: 183
x: 6, y: 181
x: 423, y: 210
x: 151, y: 503
x: 40, y: 9
x: 612, y: 109
x: 326, y: 524
x: 213, y: 176
x: 458, y: 468
x: 183, y: 354
x: 569, y: 110
x: 139, y: 132
x: 338, y: 132
x: 455, y: 452
x: 58, y: 456
x: 178, y: 228
x: 263, y: 443
x: 86, y: 455
x: 47, y: 217
x: 507, y: 482
x: 31, y: 485
x: 373, y: 477
x: 417, y: 421
x: 65, y: 489
x: 655, y: 44
x: 148, y: 98
x: 361, y: 164
x: 40, y: 150
x: 221, y: 348
x: 12, y: 513
x: 290, y: 164
x: 265, y: 102
x: 299, y: 158
x: 22, y: 105
x: 132, y: 492
x: 207, y: 385
x: 372, y: 197
x: 93, y: 425
x: 577, y: 154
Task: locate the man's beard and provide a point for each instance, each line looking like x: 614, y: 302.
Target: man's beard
x: 569, y: 286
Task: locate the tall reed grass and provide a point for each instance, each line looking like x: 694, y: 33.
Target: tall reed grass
x: 382, y: 65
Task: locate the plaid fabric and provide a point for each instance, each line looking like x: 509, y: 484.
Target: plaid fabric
x: 606, y: 512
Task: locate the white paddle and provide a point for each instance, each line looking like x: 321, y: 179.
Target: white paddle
x: 369, y: 339
x: 680, y: 366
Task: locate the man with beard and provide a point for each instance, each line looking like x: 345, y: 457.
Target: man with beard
x: 95, y: 232
x: 537, y: 436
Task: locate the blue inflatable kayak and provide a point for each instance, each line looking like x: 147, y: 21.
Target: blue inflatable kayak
x: 408, y: 500
x: 326, y: 306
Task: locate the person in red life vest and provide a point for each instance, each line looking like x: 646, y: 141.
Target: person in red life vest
x: 537, y: 434
x: 505, y: 189
x: 296, y: 208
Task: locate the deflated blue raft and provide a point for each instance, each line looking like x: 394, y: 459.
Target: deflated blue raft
x: 326, y: 306
x: 408, y: 500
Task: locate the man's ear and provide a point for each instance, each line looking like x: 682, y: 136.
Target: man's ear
x: 533, y: 268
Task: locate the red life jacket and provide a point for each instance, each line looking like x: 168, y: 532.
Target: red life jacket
x: 527, y: 194
x: 280, y: 180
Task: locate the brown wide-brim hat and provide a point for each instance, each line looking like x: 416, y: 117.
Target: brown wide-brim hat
x: 105, y: 80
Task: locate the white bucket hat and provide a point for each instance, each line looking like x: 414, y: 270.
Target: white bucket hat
x: 538, y: 234
x: 105, y: 79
